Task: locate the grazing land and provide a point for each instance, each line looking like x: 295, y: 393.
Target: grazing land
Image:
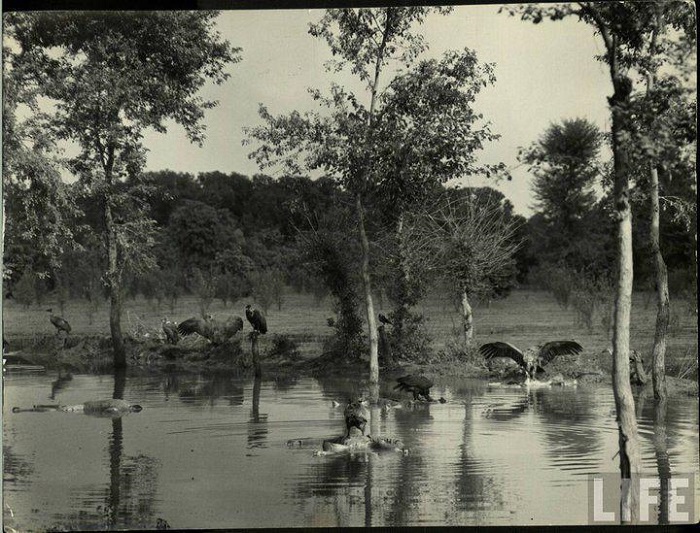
x: 525, y: 318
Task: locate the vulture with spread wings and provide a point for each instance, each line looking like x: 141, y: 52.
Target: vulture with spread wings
x: 534, y: 358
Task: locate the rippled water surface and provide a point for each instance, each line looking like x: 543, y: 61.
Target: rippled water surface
x: 228, y: 452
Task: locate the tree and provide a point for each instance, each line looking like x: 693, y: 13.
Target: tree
x: 564, y: 164
x: 111, y: 77
x: 427, y: 133
x: 39, y: 210
x: 370, y: 149
x: 623, y: 27
x: 468, y: 240
x: 665, y: 130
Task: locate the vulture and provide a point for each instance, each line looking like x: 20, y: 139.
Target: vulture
x: 418, y: 385
x: 256, y: 319
x: 59, y: 323
x: 231, y: 327
x: 214, y: 331
x: 354, y: 416
x: 534, y: 357
x: 384, y: 320
x: 172, y: 336
x: 203, y: 327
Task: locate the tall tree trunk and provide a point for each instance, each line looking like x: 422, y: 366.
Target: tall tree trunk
x: 467, y: 318
x: 367, y: 286
x: 630, y: 457
x: 114, y: 283
x: 662, y: 300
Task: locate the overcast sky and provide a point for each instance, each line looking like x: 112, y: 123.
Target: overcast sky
x: 545, y: 73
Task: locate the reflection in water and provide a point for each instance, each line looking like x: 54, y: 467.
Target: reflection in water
x: 131, y: 492
x: 257, y: 423
x: 61, y: 382
x: 197, y: 459
x: 663, y: 463
x: 196, y: 389
x: 574, y: 439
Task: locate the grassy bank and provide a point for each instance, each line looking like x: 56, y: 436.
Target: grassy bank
x: 524, y: 318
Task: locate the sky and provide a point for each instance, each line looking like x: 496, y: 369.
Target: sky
x: 545, y: 73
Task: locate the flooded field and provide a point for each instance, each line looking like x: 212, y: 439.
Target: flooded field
x: 229, y: 452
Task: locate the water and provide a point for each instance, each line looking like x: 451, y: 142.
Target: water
x: 227, y: 452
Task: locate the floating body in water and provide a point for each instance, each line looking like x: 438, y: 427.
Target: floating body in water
x: 355, y: 441
x: 101, y: 408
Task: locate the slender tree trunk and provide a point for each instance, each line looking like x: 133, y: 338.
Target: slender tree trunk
x: 467, y: 318
x: 367, y: 286
x: 255, y: 353
x: 662, y: 300
x: 630, y: 457
x: 114, y: 282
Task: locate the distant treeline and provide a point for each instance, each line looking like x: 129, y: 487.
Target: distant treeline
x: 228, y: 235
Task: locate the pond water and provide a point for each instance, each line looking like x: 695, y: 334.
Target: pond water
x: 230, y: 452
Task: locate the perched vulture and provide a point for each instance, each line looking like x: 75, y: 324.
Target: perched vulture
x: 59, y: 323
x: 355, y: 416
x: 535, y: 357
x: 384, y: 320
x: 256, y: 319
x: 418, y: 385
x: 172, y: 336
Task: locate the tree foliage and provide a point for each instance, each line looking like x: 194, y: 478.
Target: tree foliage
x: 109, y: 77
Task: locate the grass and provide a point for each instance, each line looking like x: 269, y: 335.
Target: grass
x: 524, y: 318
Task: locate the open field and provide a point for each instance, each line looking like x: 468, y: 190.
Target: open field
x: 524, y: 318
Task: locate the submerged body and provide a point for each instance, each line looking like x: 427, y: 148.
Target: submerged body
x: 355, y: 441
x: 111, y: 408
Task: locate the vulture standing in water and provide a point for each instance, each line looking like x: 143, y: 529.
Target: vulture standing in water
x: 354, y: 416
x: 534, y: 357
x: 59, y: 323
x: 256, y: 319
x: 172, y: 336
x: 418, y: 385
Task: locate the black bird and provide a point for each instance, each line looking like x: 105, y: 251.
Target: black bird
x: 256, y: 319
x: 354, y: 416
x: 203, y: 327
x: 172, y: 336
x: 231, y: 327
x: 384, y: 320
x: 59, y: 323
x: 418, y: 385
x: 535, y: 357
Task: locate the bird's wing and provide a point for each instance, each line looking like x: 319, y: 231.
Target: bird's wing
x: 261, y: 323
x: 189, y: 326
x: 502, y: 349
x: 552, y: 349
